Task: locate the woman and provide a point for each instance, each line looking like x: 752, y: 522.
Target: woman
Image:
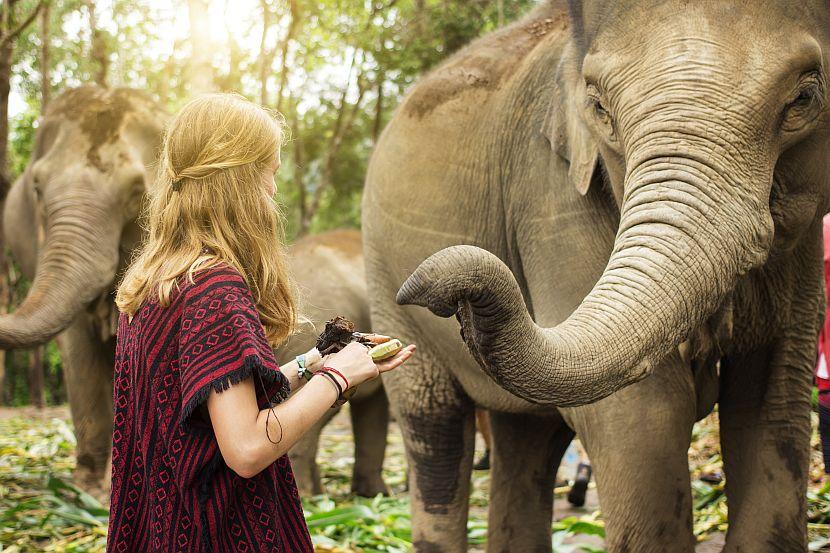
x: 204, y: 417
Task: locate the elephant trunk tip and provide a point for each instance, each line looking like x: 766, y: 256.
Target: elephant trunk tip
x: 444, y: 279
x: 419, y: 291
x: 410, y: 292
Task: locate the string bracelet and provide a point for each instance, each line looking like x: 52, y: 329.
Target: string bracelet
x: 338, y: 373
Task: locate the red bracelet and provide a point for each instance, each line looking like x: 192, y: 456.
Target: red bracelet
x: 338, y: 373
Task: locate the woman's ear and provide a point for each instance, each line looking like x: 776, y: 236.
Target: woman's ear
x: 567, y: 133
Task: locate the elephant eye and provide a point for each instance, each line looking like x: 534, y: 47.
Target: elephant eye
x: 600, y: 112
x: 805, y: 104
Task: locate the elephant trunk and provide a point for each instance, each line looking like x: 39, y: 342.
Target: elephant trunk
x: 77, y: 263
x: 687, y: 233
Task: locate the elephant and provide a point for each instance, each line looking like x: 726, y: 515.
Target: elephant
x: 621, y: 203
x: 329, y: 270
x: 70, y: 221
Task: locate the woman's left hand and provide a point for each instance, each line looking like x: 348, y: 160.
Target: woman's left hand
x: 396, y: 360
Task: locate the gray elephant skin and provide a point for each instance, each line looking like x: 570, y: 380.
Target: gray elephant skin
x: 626, y: 201
x: 329, y: 271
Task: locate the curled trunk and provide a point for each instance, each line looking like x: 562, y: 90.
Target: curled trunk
x: 676, y: 255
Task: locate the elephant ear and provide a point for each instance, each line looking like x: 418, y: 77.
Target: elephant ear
x: 567, y: 133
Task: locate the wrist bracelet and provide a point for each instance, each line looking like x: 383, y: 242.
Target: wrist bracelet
x: 340, y: 400
x: 302, y: 371
x: 338, y: 373
x: 333, y: 382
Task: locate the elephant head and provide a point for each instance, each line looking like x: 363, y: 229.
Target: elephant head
x: 707, y: 122
x: 83, y: 186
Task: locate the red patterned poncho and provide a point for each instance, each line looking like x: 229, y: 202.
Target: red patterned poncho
x: 171, y: 489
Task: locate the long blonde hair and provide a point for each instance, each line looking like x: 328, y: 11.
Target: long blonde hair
x: 209, y: 205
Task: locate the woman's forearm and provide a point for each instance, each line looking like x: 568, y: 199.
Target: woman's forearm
x: 250, y: 439
x: 314, y: 362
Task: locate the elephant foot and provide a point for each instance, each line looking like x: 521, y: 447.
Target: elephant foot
x: 369, y: 486
x: 94, y: 482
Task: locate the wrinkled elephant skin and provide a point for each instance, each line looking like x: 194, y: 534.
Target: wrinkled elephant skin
x: 622, y: 203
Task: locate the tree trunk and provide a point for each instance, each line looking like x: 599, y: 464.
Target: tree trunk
x: 6, y: 53
x: 378, y: 124
x: 45, y: 59
x: 264, y: 57
x: 343, y: 123
x: 289, y: 35
x: 9, y: 31
x: 201, y: 70
x: 98, y: 47
x: 36, y: 393
x: 299, y: 155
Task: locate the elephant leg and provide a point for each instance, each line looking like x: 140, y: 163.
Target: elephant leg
x: 88, y: 368
x: 303, y: 457
x: 638, y: 440
x: 370, y: 423
x: 765, y: 438
x: 437, y: 421
x: 526, y: 453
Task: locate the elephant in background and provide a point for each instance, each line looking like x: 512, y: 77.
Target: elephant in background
x: 649, y: 177
x: 70, y: 221
x: 329, y: 270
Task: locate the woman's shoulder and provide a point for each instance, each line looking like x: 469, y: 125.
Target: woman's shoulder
x: 215, y: 277
x: 217, y: 290
x: 218, y: 274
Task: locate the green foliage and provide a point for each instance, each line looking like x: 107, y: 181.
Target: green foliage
x: 39, y: 509
x: 23, y: 127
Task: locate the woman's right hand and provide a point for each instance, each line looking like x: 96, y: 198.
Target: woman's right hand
x: 354, y: 362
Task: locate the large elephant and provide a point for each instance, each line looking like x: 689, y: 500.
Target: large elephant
x: 70, y: 221
x: 329, y: 270
x: 650, y: 178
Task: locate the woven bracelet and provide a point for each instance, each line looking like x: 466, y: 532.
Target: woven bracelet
x: 338, y: 373
x: 340, y: 399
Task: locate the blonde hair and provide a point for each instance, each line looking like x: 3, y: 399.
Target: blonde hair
x: 208, y: 205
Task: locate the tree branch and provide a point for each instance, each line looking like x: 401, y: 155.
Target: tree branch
x: 8, y: 37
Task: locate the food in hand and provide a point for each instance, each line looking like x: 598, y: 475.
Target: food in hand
x: 385, y: 350
x: 338, y: 334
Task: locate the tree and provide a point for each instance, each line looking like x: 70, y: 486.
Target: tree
x: 99, y: 50
x: 45, y: 61
x: 201, y: 68
x: 294, y: 22
x: 266, y: 56
x: 10, y: 29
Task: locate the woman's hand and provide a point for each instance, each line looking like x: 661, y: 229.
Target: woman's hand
x: 396, y: 360
x: 356, y: 364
